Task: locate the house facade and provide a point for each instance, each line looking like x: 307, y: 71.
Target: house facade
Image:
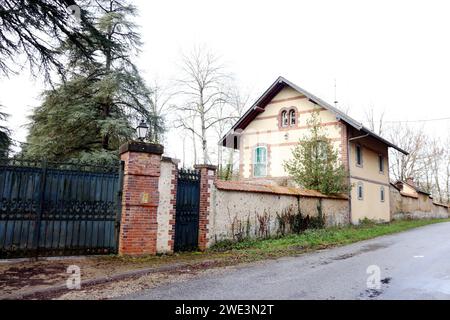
x: 266, y: 134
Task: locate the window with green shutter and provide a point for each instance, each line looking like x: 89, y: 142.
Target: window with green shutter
x: 260, y: 165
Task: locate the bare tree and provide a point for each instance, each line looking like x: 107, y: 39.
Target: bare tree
x: 413, y: 140
x: 204, y: 88
x: 376, y: 123
x: 447, y: 169
x: 238, y: 104
x: 428, y: 161
x: 160, y: 105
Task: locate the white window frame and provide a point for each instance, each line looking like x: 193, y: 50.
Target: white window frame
x: 255, y: 158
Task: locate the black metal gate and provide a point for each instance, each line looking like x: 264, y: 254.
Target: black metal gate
x: 49, y: 209
x: 187, y: 212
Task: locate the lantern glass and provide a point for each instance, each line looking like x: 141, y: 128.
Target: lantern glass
x: 142, y: 130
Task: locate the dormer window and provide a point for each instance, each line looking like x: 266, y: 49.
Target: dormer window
x: 288, y: 118
x: 284, y: 119
x: 292, y: 118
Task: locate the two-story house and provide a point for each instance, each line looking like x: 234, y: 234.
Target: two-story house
x: 266, y: 134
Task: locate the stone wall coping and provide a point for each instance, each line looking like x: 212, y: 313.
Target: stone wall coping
x: 441, y: 205
x: 273, y: 189
x: 168, y: 159
x: 205, y: 166
x: 143, y: 147
x: 404, y: 194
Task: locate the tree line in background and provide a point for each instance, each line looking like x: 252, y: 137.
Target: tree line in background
x: 428, y: 162
x: 97, y: 96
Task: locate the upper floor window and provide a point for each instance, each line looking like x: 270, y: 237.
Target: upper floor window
x: 288, y: 118
x: 260, y: 165
x: 381, y: 163
x: 359, y: 156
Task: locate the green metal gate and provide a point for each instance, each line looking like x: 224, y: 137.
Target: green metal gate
x: 51, y: 209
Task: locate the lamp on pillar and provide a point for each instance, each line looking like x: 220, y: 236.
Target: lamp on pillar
x: 142, y: 130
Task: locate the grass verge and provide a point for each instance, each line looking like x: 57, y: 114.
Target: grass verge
x: 314, y: 239
x: 229, y: 253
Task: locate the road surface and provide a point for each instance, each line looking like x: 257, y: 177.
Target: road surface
x: 413, y: 265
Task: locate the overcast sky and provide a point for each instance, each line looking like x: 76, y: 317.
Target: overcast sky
x: 389, y: 55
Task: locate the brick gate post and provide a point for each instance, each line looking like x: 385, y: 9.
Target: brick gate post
x: 207, y: 176
x: 138, y: 229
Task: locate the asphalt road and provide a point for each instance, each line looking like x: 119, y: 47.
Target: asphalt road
x: 413, y: 265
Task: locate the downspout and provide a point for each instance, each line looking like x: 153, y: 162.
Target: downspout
x: 349, y: 178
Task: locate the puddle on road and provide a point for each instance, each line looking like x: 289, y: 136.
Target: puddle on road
x: 374, y: 293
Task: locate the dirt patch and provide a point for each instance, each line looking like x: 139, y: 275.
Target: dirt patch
x: 345, y: 256
x: 20, y: 276
x: 373, y: 247
x: 364, y: 249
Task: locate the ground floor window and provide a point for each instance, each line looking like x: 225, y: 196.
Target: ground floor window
x: 260, y: 162
x: 360, y: 190
x: 382, y: 194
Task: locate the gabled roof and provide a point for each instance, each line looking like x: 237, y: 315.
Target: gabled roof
x: 276, y: 87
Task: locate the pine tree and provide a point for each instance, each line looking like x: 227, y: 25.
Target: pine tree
x: 5, y: 139
x: 35, y: 29
x: 315, y: 164
x: 96, y: 110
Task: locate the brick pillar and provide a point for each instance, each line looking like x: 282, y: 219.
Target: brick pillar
x: 167, y: 205
x: 138, y: 229
x: 207, y: 176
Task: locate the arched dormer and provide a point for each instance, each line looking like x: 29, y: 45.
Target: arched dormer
x: 288, y: 118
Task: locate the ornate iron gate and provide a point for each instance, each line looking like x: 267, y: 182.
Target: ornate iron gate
x: 187, y: 212
x: 49, y: 209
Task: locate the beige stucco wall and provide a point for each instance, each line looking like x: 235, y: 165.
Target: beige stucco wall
x: 420, y: 207
x: 164, y: 214
x: 238, y: 207
x: 264, y: 130
x: 372, y: 179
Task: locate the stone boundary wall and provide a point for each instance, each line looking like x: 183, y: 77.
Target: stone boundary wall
x: 421, y: 207
x: 249, y: 210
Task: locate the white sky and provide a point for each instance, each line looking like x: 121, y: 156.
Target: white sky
x: 391, y: 55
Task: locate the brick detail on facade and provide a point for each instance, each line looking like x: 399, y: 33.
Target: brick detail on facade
x: 138, y: 231
x: 173, y: 207
x: 207, y: 177
x: 344, y: 146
